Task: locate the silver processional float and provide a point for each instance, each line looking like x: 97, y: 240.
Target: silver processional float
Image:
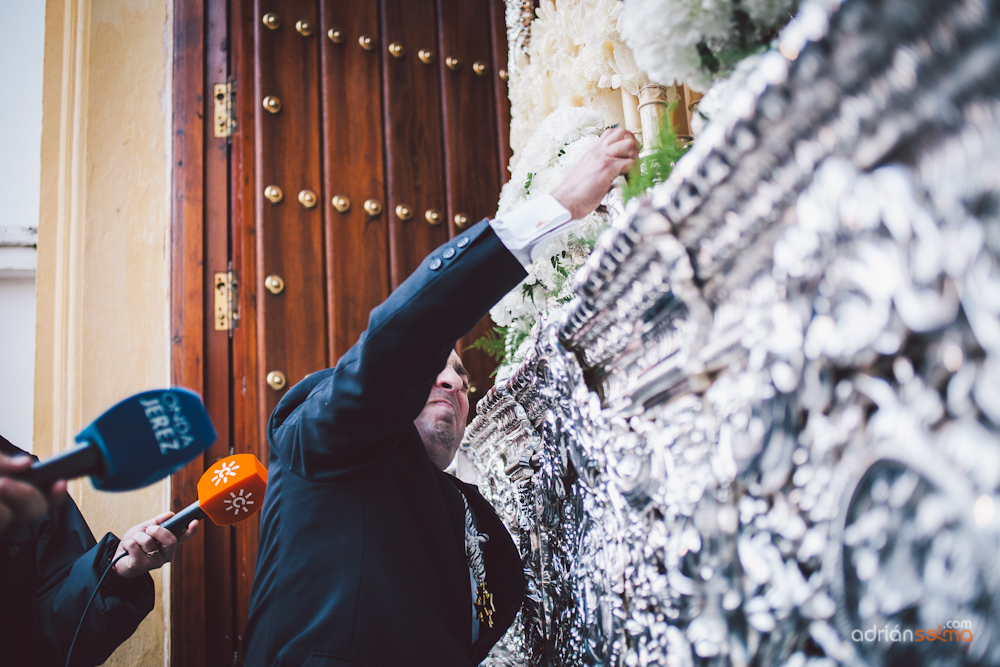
x: 765, y: 432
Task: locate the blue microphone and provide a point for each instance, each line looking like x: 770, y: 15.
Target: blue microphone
x: 143, y: 439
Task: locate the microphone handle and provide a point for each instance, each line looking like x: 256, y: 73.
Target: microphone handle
x: 84, y: 459
x: 178, y: 523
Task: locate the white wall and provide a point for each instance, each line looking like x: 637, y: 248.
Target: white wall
x: 103, y: 284
x: 17, y: 358
x: 22, y: 35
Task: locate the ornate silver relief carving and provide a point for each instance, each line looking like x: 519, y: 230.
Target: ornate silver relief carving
x: 766, y: 428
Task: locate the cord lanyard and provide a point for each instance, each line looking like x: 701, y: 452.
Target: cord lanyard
x: 474, y: 553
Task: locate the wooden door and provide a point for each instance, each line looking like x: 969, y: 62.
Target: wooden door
x: 204, y: 575
x: 367, y: 133
x: 383, y: 113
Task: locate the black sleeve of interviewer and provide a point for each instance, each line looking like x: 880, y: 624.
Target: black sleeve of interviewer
x: 48, y: 570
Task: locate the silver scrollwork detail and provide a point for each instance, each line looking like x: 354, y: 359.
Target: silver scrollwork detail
x: 766, y: 430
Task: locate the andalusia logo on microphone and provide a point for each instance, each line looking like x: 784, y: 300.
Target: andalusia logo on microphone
x: 240, y: 502
x: 223, y: 473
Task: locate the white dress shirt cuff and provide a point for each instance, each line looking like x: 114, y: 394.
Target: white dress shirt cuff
x: 527, y: 230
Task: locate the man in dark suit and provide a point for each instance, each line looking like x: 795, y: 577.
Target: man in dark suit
x: 369, y: 554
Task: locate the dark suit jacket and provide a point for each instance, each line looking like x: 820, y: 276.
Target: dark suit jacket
x: 48, y: 570
x: 361, y: 558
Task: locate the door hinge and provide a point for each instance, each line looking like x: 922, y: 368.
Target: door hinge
x: 227, y: 315
x: 225, y: 109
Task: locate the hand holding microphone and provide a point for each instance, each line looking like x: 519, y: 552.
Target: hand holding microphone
x: 149, y: 546
x: 229, y: 491
x: 19, y: 500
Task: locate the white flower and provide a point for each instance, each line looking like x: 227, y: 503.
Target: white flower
x: 564, y: 90
x: 554, y: 149
x: 664, y: 35
x: 541, y: 159
x: 576, y: 58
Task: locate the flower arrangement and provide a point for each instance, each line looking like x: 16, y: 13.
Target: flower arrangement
x: 699, y: 41
x: 555, y: 147
x: 564, y: 91
x: 575, y: 58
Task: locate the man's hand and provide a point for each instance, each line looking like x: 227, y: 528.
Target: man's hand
x: 20, y: 501
x: 613, y: 154
x: 149, y: 545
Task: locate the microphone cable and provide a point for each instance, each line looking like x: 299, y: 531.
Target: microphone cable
x: 69, y: 654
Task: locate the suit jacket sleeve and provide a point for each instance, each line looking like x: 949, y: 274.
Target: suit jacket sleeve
x: 342, y: 420
x: 70, y: 563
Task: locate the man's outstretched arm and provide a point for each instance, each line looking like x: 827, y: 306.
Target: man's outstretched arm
x: 340, y: 420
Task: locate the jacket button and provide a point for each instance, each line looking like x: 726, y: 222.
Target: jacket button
x: 435, y: 264
x: 462, y: 242
x: 448, y: 253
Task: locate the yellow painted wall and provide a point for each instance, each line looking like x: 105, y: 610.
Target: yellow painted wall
x: 103, y: 299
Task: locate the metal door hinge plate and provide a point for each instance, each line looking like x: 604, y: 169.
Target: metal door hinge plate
x: 225, y: 109
x: 226, y: 312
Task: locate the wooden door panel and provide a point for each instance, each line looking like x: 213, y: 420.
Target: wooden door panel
x: 469, y: 111
x: 414, y: 145
x: 220, y: 618
x: 353, y: 122
x: 498, y: 26
x: 470, y: 137
x: 246, y: 205
x: 189, y: 311
x: 292, y: 324
x: 357, y: 246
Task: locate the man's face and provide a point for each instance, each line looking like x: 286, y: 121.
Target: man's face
x: 442, y: 422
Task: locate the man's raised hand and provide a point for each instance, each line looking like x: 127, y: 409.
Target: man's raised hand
x: 613, y: 155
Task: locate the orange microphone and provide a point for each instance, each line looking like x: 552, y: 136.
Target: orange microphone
x: 228, y: 492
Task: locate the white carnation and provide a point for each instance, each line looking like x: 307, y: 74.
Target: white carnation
x: 664, y: 34
x: 569, y: 131
x: 575, y: 58
x: 556, y: 147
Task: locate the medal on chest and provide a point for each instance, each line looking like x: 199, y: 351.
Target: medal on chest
x: 484, y: 605
x: 473, y: 551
